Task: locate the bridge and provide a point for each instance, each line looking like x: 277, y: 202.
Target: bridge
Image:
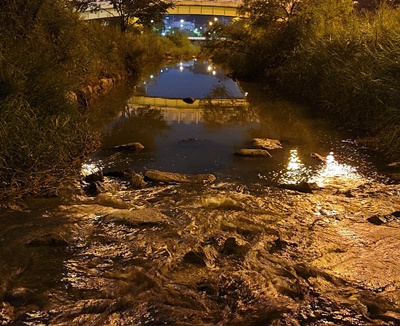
x: 180, y: 104
x: 226, y: 8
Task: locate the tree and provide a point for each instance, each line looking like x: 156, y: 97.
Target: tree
x: 373, y: 5
x: 261, y: 12
x: 131, y: 12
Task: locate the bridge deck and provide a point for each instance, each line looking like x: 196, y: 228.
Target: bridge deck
x: 178, y: 103
x: 192, y: 7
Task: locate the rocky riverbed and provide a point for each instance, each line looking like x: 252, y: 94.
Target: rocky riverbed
x: 216, y: 254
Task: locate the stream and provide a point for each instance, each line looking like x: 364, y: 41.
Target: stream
x: 306, y: 235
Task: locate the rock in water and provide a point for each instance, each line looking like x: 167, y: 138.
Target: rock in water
x: 131, y: 146
x: 266, y: 143
x: 169, y: 177
x: 136, y: 181
x: 305, y: 187
x: 138, y: 217
x: 318, y: 157
x: 253, y: 152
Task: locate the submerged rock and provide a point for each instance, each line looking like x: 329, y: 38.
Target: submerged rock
x: 137, y: 181
x: 253, y: 152
x: 138, y: 217
x: 107, y: 199
x: 170, y: 177
x: 265, y: 143
x: 318, y: 157
x: 305, y: 187
x: 136, y: 146
x: 394, y: 165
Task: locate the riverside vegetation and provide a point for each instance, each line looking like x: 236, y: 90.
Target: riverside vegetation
x: 342, y: 60
x: 48, y: 53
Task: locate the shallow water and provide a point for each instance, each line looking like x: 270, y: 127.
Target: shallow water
x: 202, y: 137
x: 239, y: 251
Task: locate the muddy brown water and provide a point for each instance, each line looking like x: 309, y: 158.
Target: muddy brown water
x: 239, y: 251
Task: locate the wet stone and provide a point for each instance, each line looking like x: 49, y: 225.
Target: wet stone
x: 394, y: 165
x: 377, y: 219
x: 136, y: 181
x: 250, y: 152
x: 107, y: 199
x: 305, y: 187
x: 170, y: 177
x: 134, y: 146
x: 96, y: 176
x: 318, y: 157
x: 266, y: 143
x: 139, y: 217
x: 94, y: 189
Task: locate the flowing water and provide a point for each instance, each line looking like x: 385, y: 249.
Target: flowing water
x: 250, y: 248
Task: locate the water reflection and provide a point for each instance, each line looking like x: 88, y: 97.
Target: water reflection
x: 190, y: 79
x: 221, y: 120
x: 217, y: 122
x: 333, y: 171
x: 139, y: 123
x: 330, y: 172
x: 296, y: 171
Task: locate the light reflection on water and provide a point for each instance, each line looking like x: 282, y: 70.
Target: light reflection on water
x: 295, y: 171
x: 331, y: 171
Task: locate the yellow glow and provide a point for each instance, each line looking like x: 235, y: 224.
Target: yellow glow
x: 295, y: 171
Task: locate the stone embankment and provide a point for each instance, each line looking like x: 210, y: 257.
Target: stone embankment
x: 90, y: 92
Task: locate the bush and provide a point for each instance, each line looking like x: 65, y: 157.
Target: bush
x: 353, y: 74
x: 340, y: 61
x: 47, y: 52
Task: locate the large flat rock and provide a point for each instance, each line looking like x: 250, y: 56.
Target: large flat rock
x: 170, y: 177
x: 266, y: 143
x: 253, y: 152
x: 138, y: 217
